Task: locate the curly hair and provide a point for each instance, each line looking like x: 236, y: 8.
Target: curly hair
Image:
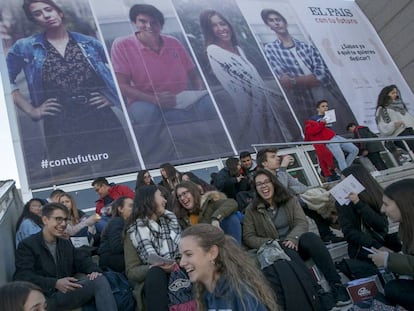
x: 383, y: 98
x: 231, y: 263
x: 29, y: 215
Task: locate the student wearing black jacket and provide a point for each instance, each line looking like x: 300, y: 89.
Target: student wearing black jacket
x: 361, y: 220
x: 372, y: 149
x: 111, y: 249
x: 50, y: 261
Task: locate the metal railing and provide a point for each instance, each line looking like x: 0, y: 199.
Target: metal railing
x: 350, y: 140
x: 302, y: 148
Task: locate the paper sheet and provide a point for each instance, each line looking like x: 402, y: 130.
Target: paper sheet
x: 344, y: 188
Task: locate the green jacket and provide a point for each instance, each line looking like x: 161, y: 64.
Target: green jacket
x: 402, y: 264
x: 214, y: 206
x: 258, y: 228
x: 135, y: 271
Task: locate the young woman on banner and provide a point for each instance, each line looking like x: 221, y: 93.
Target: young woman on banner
x: 253, y: 102
x: 72, y: 92
x: 225, y: 277
x: 398, y: 205
x: 392, y: 116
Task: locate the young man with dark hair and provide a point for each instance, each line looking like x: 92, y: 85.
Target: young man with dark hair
x: 109, y: 192
x: 229, y: 179
x: 316, y: 128
x: 248, y: 165
x: 55, y: 195
x: 371, y: 150
x: 269, y: 160
x: 301, y: 70
x: 50, y: 261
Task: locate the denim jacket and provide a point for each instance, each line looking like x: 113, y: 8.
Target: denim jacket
x: 30, y: 53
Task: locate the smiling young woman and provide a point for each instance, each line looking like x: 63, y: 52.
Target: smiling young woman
x: 214, y: 263
x: 398, y: 206
x: 213, y: 207
x: 277, y: 215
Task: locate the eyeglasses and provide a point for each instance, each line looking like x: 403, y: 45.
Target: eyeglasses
x: 183, y: 194
x: 59, y: 219
x: 264, y: 183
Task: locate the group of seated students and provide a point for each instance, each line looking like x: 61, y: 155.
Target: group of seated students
x: 196, y: 227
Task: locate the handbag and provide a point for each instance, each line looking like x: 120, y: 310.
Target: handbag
x: 180, y: 291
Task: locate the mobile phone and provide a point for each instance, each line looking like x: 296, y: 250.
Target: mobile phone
x: 368, y: 250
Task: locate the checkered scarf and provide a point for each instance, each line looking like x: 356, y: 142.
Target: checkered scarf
x: 162, y: 237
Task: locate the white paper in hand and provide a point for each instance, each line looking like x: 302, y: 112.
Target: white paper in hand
x: 330, y: 116
x: 79, y: 241
x: 344, y: 188
x: 156, y: 260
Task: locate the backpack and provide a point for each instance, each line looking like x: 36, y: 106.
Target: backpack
x: 180, y: 292
x: 121, y: 290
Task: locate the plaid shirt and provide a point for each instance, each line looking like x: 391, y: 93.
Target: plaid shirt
x: 283, y: 61
x: 162, y: 238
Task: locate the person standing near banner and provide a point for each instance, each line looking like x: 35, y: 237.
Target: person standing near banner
x: 302, y: 71
x: 72, y: 91
x: 392, y: 116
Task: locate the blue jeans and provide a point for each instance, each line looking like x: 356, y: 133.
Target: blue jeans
x: 231, y: 225
x: 144, y: 113
x: 338, y: 151
x: 100, y: 225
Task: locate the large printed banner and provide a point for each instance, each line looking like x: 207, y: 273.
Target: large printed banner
x: 107, y: 87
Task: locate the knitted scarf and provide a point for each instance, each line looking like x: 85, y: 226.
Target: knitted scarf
x: 397, y: 105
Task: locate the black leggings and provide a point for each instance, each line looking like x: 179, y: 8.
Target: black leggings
x: 156, y: 290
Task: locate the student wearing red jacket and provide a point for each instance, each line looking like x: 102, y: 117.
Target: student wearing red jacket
x: 107, y: 194
x: 316, y: 129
